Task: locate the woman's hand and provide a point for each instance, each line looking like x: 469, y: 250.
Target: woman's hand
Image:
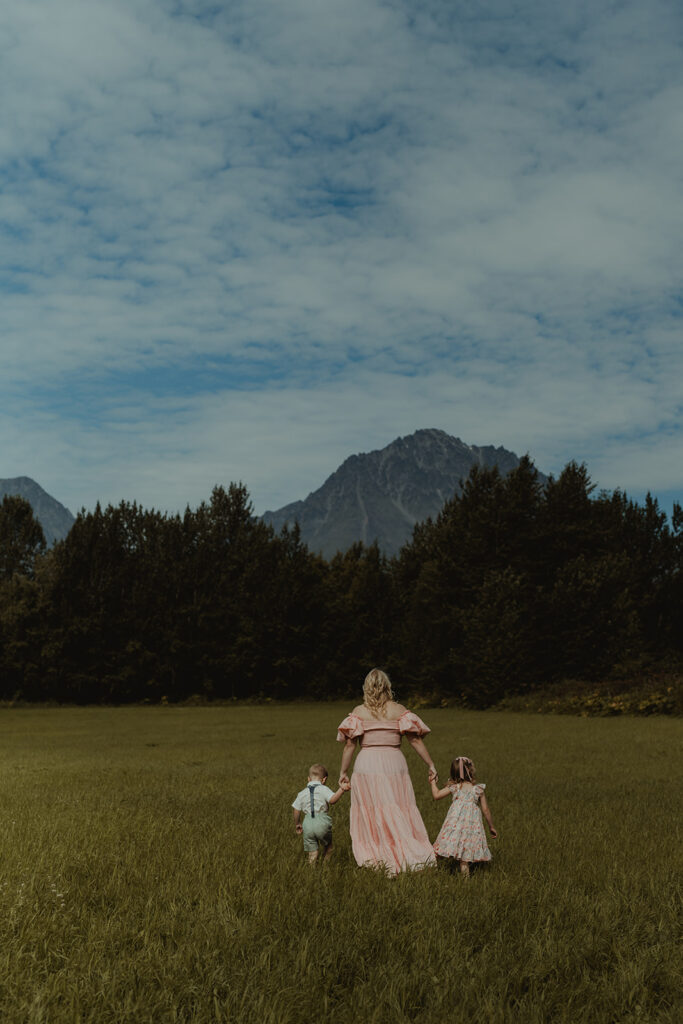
x: 344, y: 781
x: 433, y: 774
x: 347, y: 756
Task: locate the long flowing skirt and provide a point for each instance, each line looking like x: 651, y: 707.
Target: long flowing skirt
x: 386, y: 827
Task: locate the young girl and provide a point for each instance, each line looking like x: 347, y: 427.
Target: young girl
x: 462, y: 834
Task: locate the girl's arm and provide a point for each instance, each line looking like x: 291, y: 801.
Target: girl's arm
x: 487, y: 814
x: 438, y: 793
x: 347, y: 755
x: 418, y: 746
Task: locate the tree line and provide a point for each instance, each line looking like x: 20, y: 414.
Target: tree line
x: 513, y: 585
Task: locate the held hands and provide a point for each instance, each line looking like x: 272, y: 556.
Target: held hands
x: 345, y: 785
x: 433, y: 774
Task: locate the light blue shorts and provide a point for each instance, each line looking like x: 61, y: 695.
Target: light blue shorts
x: 317, y: 831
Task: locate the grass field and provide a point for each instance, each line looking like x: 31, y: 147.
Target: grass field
x: 150, y: 872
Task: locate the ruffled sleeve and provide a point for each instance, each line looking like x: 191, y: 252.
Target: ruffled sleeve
x: 410, y: 723
x: 479, y: 789
x: 350, y: 729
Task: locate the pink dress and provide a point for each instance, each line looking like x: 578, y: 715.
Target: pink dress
x: 462, y: 834
x: 385, y: 824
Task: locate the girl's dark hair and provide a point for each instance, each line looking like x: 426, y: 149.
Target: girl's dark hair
x: 468, y: 773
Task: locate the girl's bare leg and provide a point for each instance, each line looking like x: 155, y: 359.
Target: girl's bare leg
x: 464, y: 868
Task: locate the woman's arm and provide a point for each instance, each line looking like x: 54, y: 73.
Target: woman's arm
x: 347, y: 756
x: 487, y: 814
x: 419, y: 747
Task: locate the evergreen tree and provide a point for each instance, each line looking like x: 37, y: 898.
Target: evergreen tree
x: 21, y: 537
x: 22, y: 541
x: 514, y: 584
x: 359, y: 616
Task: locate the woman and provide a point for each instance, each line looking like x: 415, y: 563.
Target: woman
x: 386, y: 827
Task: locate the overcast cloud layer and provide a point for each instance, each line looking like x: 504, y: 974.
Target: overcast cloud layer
x: 244, y: 240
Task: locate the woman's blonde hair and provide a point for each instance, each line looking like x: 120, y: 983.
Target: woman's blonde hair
x: 377, y: 692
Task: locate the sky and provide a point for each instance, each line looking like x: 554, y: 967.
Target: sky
x: 243, y: 240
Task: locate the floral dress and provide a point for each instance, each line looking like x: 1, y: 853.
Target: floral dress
x: 462, y: 834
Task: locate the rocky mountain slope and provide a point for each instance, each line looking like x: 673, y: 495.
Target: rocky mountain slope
x: 55, y: 519
x: 382, y: 494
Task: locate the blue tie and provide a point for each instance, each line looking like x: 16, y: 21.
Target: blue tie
x: 311, y: 790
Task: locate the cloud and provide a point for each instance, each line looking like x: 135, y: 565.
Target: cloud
x: 284, y: 441
x: 247, y: 240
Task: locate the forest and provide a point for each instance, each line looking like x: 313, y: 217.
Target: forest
x: 514, y: 586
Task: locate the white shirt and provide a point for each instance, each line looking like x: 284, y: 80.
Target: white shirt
x: 321, y: 796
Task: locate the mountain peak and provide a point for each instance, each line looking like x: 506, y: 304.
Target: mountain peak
x: 55, y: 519
x: 380, y: 495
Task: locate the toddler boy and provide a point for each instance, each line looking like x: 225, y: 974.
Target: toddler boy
x: 314, y: 802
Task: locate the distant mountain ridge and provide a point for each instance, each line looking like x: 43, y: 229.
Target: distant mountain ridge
x: 55, y: 519
x: 380, y: 495
x: 377, y: 495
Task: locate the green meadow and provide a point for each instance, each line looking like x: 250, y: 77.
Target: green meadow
x: 150, y: 872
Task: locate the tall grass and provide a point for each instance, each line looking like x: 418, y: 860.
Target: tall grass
x: 150, y: 872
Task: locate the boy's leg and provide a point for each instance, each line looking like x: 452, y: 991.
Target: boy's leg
x: 310, y: 840
x: 323, y: 834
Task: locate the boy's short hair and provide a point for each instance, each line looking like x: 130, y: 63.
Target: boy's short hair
x: 317, y: 771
